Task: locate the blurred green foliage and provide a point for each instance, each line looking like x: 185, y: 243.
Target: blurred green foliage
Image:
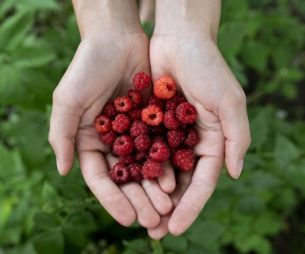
x: 40, y: 212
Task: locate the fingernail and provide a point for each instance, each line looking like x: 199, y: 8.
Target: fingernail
x: 59, y: 166
x: 239, y: 169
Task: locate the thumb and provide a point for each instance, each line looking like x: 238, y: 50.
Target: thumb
x: 235, y: 125
x: 64, y: 123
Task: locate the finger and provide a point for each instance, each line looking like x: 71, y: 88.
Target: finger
x: 235, y: 125
x: 160, y: 200
x: 147, y: 10
x: 68, y: 107
x: 199, y: 191
x: 64, y: 123
x: 161, y: 230
x: 167, y: 181
x: 95, y: 172
x: 146, y: 214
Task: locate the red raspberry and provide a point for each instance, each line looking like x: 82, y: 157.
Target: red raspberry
x: 152, y: 115
x: 159, y: 151
x: 127, y: 159
x: 135, y: 96
x: 152, y: 169
x: 192, y: 137
x: 165, y: 88
x: 140, y: 156
x: 102, y: 124
x: 170, y: 121
x: 135, y: 114
x: 153, y: 100
x: 138, y: 128
x: 123, y: 104
x: 123, y: 145
x: 142, y: 143
x: 184, y: 159
x: 135, y: 170
x: 186, y: 113
x: 141, y: 80
x: 108, y: 138
x: 175, y: 138
x: 119, y: 174
x: 173, y: 103
x: 109, y: 110
x: 121, y: 123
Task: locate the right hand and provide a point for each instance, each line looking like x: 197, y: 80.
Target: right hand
x: 102, y: 68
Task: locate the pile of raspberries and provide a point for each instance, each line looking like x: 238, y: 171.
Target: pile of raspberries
x: 144, y: 135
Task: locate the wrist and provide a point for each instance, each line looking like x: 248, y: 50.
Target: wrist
x: 183, y: 17
x: 96, y: 18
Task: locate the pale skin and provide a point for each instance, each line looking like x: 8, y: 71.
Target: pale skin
x: 113, y: 48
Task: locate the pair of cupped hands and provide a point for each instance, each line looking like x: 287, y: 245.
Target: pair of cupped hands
x: 102, y: 68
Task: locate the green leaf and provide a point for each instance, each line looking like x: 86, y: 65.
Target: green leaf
x: 35, y: 55
x: 230, y: 38
x: 49, y: 242
x: 285, y: 151
x: 177, y: 244
x: 254, y: 243
x: 268, y: 224
x: 14, y: 30
x: 137, y: 246
x: 208, y: 230
x: 255, y: 55
x: 38, y: 5
x: 259, y: 129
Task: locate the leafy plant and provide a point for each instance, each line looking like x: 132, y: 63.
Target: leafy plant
x: 40, y: 212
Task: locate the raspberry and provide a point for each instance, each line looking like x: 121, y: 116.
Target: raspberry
x: 192, y: 137
x: 109, y: 110
x: 152, y: 169
x: 141, y: 81
x: 135, y: 170
x: 153, y: 100
x: 159, y: 151
x: 102, y: 124
x: 170, y: 121
x: 186, y: 113
x: 135, y: 114
x: 138, y: 128
x: 123, y: 104
x: 123, y: 145
x: 121, y: 123
x: 108, y: 138
x: 152, y: 115
x: 175, y: 138
x: 119, y: 174
x: 142, y: 142
x: 135, y: 96
x: 140, y: 156
x: 184, y: 159
x: 165, y: 88
x: 127, y: 159
x: 173, y: 103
